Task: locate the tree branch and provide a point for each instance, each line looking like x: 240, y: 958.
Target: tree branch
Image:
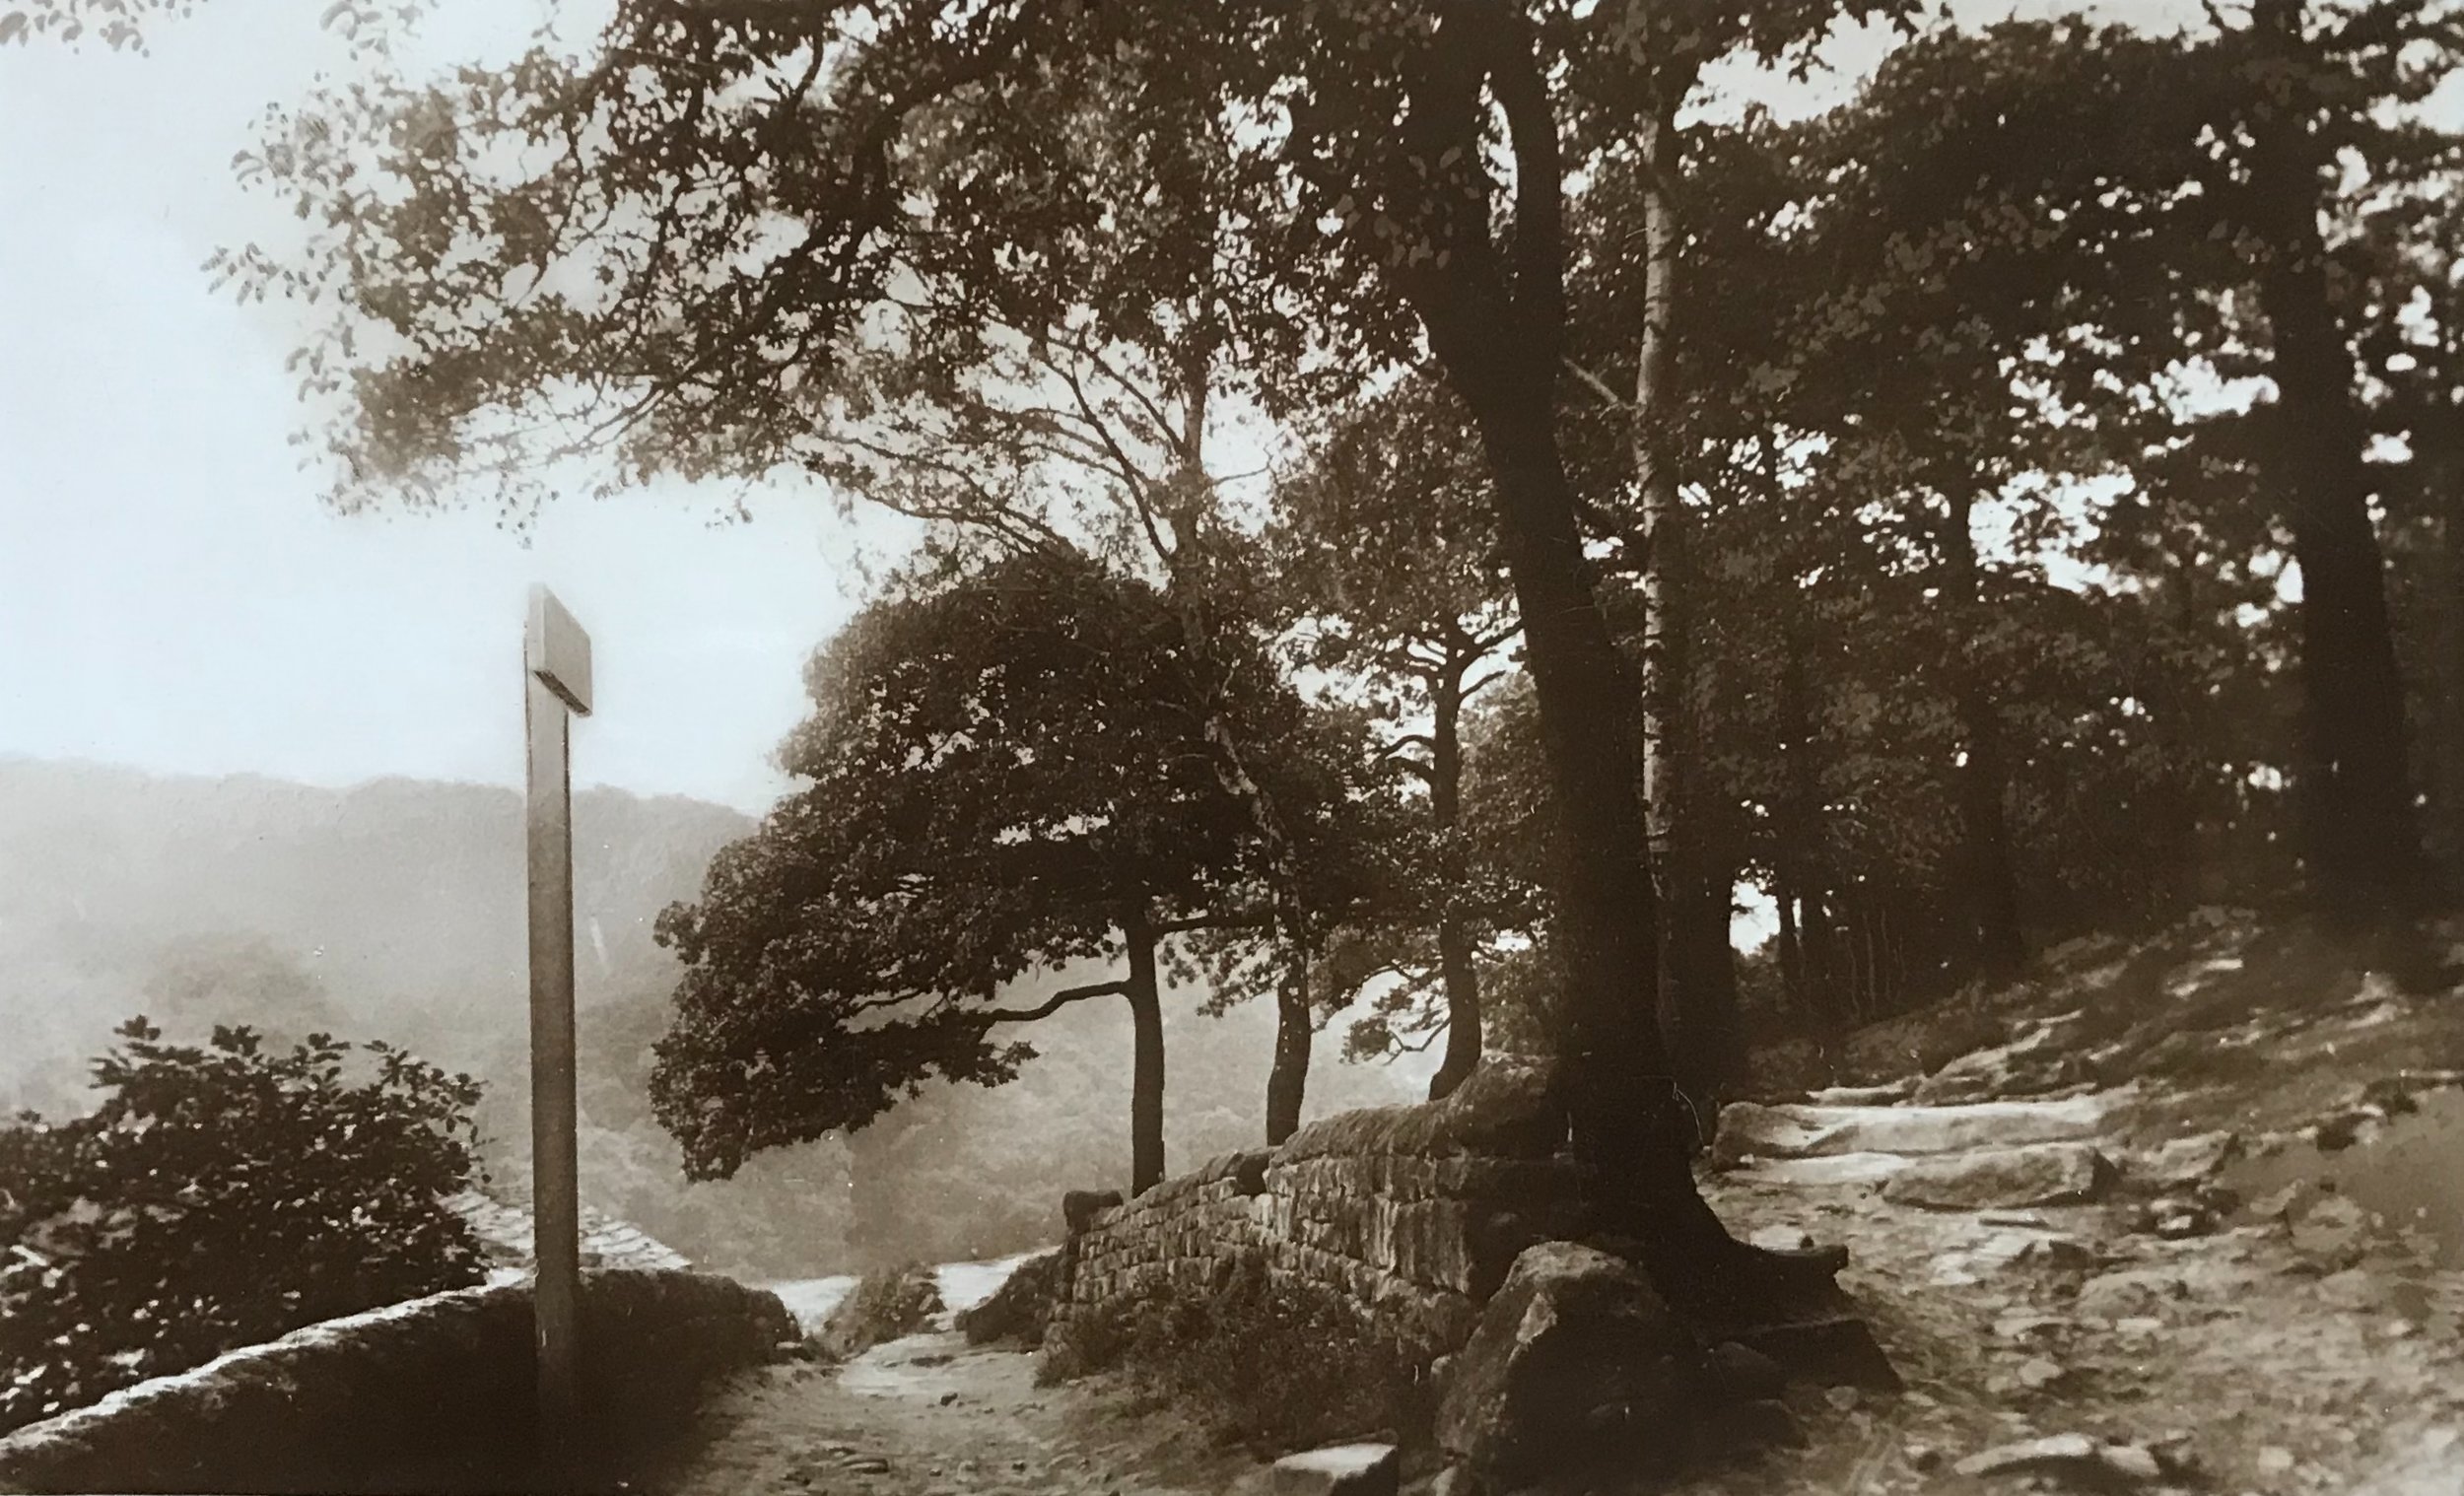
x: 1055, y: 1004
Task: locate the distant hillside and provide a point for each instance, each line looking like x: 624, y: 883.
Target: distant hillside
x: 393, y: 910
x: 399, y: 903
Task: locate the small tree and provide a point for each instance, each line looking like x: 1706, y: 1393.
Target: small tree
x: 1007, y: 779
x: 1386, y: 555
x: 221, y: 1197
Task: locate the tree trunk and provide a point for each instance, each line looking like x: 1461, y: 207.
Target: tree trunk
x: 1629, y: 1130
x: 2360, y: 843
x: 1462, y: 979
x: 1697, y: 1011
x: 1813, y: 927
x: 1984, y: 780
x: 1792, y: 957
x: 2448, y: 773
x: 1146, y: 1053
x: 1288, y: 1079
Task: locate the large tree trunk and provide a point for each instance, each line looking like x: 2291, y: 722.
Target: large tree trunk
x: 1496, y: 324
x: 1288, y: 1079
x: 1989, y: 873
x: 2360, y: 843
x: 1628, y: 1128
x: 1147, y: 1051
x: 1456, y: 968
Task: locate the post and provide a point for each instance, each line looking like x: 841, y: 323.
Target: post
x: 556, y: 655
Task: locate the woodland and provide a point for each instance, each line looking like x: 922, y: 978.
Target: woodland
x: 1422, y: 505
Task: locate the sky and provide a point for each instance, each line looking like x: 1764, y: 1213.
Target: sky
x: 172, y: 594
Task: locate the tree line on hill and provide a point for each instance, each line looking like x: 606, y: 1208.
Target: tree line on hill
x: 1898, y: 508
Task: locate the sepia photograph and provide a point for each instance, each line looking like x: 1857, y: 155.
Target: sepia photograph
x: 1232, y: 747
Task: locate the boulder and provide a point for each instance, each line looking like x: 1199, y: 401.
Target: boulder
x: 2333, y: 1234
x: 1576, y: 1363
x: 1749, y: 1130
x: 1343, y: 1469
x: 1078, y: 1208
x: 2042, y: 1174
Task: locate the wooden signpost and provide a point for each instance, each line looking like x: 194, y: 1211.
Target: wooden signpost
x: 556, y: 654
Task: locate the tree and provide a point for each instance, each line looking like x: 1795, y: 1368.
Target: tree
x: 2306, y: 98
x: 1006, y: 776
x: 143, y: 1230
x: 2011, y: 195
x: 1383, y: 545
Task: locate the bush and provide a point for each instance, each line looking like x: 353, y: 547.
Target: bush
x: 219, y: 1197
x: 882, y: 1306
x: 1272, y: 1363
x: 1020, y: 1309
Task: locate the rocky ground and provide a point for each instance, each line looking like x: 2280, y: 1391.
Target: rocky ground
x: 2186, y: 1217
x: 2255, y: 1288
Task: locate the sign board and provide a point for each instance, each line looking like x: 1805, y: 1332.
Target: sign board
x: 556, y: 655
x: 558, y: 651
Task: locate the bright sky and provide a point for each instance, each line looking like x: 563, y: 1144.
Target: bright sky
x: 172, y: 593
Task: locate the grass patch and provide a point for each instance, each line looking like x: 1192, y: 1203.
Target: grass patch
x: 1274, y: 1364
x: 883, y: 1306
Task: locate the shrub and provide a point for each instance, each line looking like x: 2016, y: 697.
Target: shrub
x: 218, y: 1197
x: 1278, y: 1364
x: 1020, y: 1309
x: 882, y: 1306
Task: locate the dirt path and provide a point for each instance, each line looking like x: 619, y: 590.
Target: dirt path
x: 930, y: 1415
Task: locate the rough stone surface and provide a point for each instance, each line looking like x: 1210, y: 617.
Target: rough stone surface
x: 2042, y: 1174
x: 429, y: 1394
x: 2184, y: 1163
x: 1343, y: 1469
x: 1079, y: 1207
x: 1413, y: 1212
x: 1749, y: 1129
x: 2054, y: 1450
x: 1576, y: 1363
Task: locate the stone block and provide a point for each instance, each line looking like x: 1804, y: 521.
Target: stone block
x: 1989, y: 1179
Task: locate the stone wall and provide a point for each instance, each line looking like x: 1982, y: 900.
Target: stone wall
x: 432, y: 1395
x: 1412, y: 1213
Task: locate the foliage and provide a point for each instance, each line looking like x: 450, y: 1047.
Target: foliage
x: 1259, y: 1359
x: 883, y: 1306
x: 1005, y: 771
x: 220, y: 1196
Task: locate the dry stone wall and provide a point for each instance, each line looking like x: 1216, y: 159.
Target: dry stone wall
x: 1412, y: 1213
x: 431, y: 1395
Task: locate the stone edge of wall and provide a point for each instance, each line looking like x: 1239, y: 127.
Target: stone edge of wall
x: 1412, y: 1213
x: 429, y: 1394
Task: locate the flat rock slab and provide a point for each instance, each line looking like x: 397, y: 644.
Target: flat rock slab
x: 1749, y: 1129
x: 1832, y: 1169
x: 1343, y: 1469
x: 2003, y: 1178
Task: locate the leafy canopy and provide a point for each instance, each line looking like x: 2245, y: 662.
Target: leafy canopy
x: 1004, y: 763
